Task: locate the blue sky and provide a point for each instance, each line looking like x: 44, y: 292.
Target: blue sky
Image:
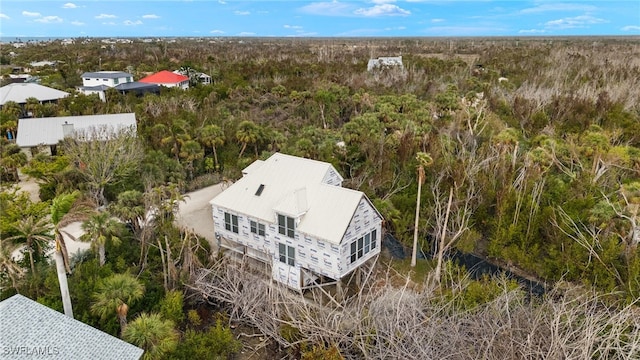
x: 344, y: 18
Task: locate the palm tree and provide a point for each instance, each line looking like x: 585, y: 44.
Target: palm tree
x: 33, y: 107
x: 35, y: 234
x: 129, y: 207
x: 424, y: 160
x: 190, y: 151
x: 213, y: 136
x: 11, y: 158
x: 153, y: 334
x: 64, y: 210
x: 115, y: 293
x: 99, y: 229
x: 7, y: 265
x: 247, y: 133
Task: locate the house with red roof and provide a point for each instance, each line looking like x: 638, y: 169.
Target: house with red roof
x: 168, y: 79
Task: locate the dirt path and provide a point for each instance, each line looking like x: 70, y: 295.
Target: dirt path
x: 195, y: 213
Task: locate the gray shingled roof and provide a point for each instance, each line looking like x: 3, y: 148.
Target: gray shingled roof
x: 107, y: 74
x: 29, y: 329
x: 48, y: 131
x: 20, y: 92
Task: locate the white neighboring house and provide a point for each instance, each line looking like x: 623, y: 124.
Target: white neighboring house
x: 47, y: 132
x: 98, y: 82
x: 294, y: 214
x: 385, y: 62
x: 108, y: 78
x: 20, y: 92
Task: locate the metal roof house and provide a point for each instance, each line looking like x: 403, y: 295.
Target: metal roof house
x: 35, y: 132
x: 167, y: 79
x: 293, y: 214
x: 30, y: 329
x: 385, y: 62
x: 20, y: 92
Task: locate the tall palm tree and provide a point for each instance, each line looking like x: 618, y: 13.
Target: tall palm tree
x: 424, y: 160
x: 213, y: 136
x: 99, y: 229
x: 247, y: 133
x: 64, y: 210
x: 153, y: 334
x: 114, y: 294
x: 35, y: 234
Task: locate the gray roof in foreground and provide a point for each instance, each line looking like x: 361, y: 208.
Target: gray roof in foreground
x: 48, y: 131
x: 31, y: 330
x: 20, y: 92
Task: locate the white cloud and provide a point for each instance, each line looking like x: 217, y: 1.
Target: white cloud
x: 631, y: 28
x: 31, y: 14
x: 532, y: 31
x: 49, y: 19
x: 333, y: 8
x: 4, y: 16
x: 110, y: 23
x: 222, y: 2
x: 382, y: 1
x: 574, y: 22
x: 382, y: 10
x: 77, y: 23
x: 150, y: 16
x: 241, y: 12
x: 69, y: 6
x: 547, y: 7
x: 296, y: 27
x: 132, y: 23
x: 216, y: 32
x: 395, y: 28
x: 437, y: 20
x: 106, y: 16
x: 246, y: 33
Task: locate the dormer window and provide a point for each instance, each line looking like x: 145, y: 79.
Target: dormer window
x: 286, y: 225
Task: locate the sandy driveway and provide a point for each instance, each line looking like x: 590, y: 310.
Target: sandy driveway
x: 195, y: 213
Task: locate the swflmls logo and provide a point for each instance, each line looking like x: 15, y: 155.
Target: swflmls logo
x: 30, y: 350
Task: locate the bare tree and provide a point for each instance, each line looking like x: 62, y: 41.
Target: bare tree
x: 394, y: 318
x: 104, y: 156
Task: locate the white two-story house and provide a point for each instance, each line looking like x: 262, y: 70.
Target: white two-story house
x: 294, y: 214
x: 98, y: 82
x: 107, y: 78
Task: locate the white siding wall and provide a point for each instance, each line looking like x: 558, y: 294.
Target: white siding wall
x: 332, y: 178
x: 317, y: 255
x: 100, y: 93
x: 311, y: 253
x: 104, y: 81
x: 364, y: 221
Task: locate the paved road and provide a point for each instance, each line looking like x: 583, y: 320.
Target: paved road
x: 195, y: 213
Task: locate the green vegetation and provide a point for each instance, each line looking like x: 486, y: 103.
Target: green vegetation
x: 540, y: 172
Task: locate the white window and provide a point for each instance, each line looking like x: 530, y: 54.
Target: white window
x: 257, y: 228
x: 287, y: 254
x: 286, y: 225
x: 231, y: 222
x: 363, y: 246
